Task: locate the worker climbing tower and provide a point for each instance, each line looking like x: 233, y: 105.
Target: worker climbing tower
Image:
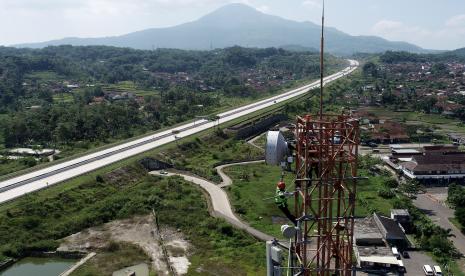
x: 324, y: 157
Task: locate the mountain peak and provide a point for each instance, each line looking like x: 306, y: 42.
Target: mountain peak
x: 236, y: 7
x: 233, y: 14
x: 239, y: 24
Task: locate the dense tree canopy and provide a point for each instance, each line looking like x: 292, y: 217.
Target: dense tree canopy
x: 32, y: 77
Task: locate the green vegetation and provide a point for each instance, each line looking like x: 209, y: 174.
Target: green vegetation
x: 456, y: 267
x: 255, y: 185
x: 7, y: 166
x: 252, y: 193
x: 63, y: 98
x: 149, y: 153
x: 386, y: 86
x: 65, y: 125
x: 119, y: 256
x: 432, y: 119
x: 431, y: 237
x: 160, y: 88
x: 456, y: 198
x: 38, y: 221
x: 131, y: 87
x: 400, y: 56
x: 90, y: 186
x: 200, y: 156
x: 455, y: 222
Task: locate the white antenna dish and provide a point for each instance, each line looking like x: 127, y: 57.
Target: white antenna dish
x: 288, y: 231
x: 276, y: 148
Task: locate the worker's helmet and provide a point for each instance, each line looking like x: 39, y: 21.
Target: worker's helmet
x: 281, y: 185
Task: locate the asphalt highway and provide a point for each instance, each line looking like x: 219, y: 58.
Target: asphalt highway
x: 43, y: 178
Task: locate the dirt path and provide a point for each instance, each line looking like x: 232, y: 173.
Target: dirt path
x: 219, y: 199
x: 226, y: 180
x: 252, y: 141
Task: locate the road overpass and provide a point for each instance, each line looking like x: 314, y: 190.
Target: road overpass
x: 43, y: 178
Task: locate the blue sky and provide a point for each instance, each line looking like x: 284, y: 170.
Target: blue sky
x: 434, y: 24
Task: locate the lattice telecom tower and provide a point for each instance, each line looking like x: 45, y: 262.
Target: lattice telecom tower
x: 326, y: 174
x: 325, y: 151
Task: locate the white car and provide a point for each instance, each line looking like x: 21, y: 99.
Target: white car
x: 428, y: 270
x: 401, y: 267
x: 437, y: 270
x: 395, y: 252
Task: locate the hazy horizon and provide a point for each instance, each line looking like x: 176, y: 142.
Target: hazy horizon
x: 428, y: 24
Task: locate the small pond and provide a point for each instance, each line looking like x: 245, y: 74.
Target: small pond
x: 38, y: 267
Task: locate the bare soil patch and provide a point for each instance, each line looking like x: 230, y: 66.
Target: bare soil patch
x: 140, y: 231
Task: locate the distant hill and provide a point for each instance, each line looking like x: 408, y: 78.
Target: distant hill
x: 298, y: 48
x: 238, y: 24
x: 458, y: 52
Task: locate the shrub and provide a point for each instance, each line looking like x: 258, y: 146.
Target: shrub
x: 391, y: 183
x: 240, y: 210
x: 113, y: 246
x: 386, y: 193
x: 227, y: 230
x: 29, y: 161
x: 460, y: 215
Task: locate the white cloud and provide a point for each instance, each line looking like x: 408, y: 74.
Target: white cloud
x: 448, y: 36
x: 31, y: 5
x: 312, y: 4
x: 397, y: 30
x: 456, y: 21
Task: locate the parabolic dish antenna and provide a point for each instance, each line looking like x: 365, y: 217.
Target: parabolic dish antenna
x: 276, y: 148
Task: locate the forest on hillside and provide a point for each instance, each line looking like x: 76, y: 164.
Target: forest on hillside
x: 60, y: 96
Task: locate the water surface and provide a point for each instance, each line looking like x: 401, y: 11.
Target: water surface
x: 38, y: 267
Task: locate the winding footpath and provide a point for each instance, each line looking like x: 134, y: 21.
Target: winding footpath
x: 252, y: 142
x: 225, y: 179
x: 221, y: 206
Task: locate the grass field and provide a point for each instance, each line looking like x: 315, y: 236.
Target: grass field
x: 63, y: 98
x: 251, y: 195
x: 200, y: 156
x: 411, y: 117
x: 7, y: 166
x: 129, y: 86
x: 44, y: 76
x: 107, y: 261
x: 255, y: 182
